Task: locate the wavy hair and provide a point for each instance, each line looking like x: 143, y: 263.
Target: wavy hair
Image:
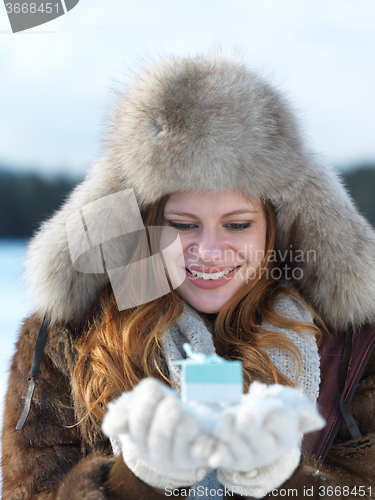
x: 117, y: 349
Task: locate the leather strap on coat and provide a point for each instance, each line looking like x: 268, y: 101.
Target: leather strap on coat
x: 37, y: 359
x: 331, y: 353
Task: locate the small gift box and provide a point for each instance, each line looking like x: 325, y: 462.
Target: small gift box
x: 210, y: 379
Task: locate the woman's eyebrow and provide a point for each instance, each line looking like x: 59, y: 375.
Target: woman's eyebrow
x: 235, y: 212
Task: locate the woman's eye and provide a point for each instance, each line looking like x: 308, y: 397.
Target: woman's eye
x: 181, y: 227
x: 240, y: 226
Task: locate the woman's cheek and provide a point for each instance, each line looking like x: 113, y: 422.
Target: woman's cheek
x: 173, y: 254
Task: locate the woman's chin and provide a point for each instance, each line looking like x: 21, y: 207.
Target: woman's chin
x: 205, y: 301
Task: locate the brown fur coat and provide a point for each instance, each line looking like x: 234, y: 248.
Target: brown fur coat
x: 55, y: 456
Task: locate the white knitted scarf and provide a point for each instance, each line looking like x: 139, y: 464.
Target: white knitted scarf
x: 192, y: 328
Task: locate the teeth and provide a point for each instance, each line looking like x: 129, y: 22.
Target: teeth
x: 211, y: 276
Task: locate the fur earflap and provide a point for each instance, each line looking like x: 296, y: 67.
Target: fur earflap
x: 210, y: 123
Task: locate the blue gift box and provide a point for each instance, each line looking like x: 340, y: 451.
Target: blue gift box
x: 210, y: 379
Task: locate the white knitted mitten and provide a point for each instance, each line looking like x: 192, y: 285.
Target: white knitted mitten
x: 159, y: 435
x: 261, y: 480
x: 269, y: 421
x: 258, y: 441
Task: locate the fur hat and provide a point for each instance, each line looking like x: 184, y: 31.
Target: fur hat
x: 210, y: 123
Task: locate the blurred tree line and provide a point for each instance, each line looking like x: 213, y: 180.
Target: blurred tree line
x: 28, y: 199
x: 361, y: 184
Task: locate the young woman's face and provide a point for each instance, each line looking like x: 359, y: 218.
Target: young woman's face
x: 223, y: 238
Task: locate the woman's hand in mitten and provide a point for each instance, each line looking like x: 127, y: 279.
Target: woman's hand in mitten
x: 269, y: 421
x: 153, y: 425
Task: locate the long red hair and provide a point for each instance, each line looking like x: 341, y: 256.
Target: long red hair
x: 120, y: 348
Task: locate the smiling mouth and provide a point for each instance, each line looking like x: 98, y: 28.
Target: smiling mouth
x: 211, y: 276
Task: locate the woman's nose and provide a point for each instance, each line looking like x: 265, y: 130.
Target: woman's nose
x: 208, y: 247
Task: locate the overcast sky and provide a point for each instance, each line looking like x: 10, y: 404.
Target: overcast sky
x: 56, y: 79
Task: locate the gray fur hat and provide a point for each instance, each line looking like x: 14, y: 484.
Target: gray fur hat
x: 211, y: 123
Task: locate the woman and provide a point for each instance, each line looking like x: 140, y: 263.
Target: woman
x: 210, y: 152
